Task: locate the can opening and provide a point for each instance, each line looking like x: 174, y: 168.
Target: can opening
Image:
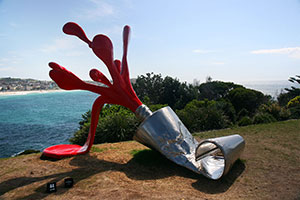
x: 211, y: 159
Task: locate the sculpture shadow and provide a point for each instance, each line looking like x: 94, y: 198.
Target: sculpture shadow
x: 145, y: 165
x: 153, y: 165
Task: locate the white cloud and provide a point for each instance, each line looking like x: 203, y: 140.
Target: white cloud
x: 62, y: 44
x: 116, y: 30
x: 3, y: 60
x: 218, y: 63
x: 293, y: 52
x: 98, y: 9
x: 13, y: 25
x: 203, y: 51
x: 9, y: 61
x: 5, y: 69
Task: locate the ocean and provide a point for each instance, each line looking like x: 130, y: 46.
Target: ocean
x: 40, y: 120
x: 273, y: 88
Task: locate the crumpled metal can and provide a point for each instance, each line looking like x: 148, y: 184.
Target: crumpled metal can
x: 164, y: 132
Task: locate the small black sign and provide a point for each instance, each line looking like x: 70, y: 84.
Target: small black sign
x: 51, y: 187
x: 69, y: 182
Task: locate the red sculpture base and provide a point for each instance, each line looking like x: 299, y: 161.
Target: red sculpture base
x: 63, y: 150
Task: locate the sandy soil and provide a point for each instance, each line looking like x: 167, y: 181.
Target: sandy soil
x: 10, y: 93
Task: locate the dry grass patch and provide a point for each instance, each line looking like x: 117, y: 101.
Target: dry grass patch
x: 268, y: 169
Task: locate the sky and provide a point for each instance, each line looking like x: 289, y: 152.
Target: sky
x: 228, y: 40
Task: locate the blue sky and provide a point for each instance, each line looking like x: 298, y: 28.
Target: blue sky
x: 229, y: 40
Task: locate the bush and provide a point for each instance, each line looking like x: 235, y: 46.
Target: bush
x: 284, y: 114
x: 156, y: 107
x: 227, y: 109
x: 284, y: 97
x: 116, y: 124
x: 295, y: 112
x: 243, y: 113
x: 273, y: 109
x: 294, y: 107
x: 245, y: 121
x: 203, y: 115
x: 81, y: 135
x: 294, y: 102
x: 263, y: 118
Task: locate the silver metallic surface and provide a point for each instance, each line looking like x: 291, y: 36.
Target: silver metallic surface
x: 219, y: 150
x: 142, y: 112
x: 164, y: 132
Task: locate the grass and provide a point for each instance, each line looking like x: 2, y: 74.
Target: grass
x: 98, y: 150
x: 264, y: 130
x: 268, y: 169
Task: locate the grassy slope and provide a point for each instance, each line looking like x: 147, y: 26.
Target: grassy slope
x: 272, y: 158
x: 269, y: 169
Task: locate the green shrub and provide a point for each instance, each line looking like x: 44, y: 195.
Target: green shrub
x: 86, y: 117
x: 203, y: 115
x: 81, y: 135
x: 117, y: 126
x: 156, y: 107
x: 227, y: 109
x: 294, y: 107
x: 284, y: 114
x: 290, y: 93
x: 263, y: 118
x: 245, y: 121
x: 294, y: 102
x: 295, y: 112
x: 273, y: 109
x: 243, y: 113
x: 116, y: 123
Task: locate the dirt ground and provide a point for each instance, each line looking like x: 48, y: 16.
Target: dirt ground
x: 268, y: 169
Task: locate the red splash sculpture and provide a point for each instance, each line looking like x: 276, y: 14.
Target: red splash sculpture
x: 161, y: 130
x: 119, y: 92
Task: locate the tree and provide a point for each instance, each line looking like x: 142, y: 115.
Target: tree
x: 168, y: 90
x: 294, y: 107
x: 214, y: 90
x: 284, y: 98
x: 177, y: 94
x: 149, y: 86
x: 242, y: 98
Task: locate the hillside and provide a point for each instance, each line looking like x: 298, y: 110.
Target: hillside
x: 17, y: 84
x: 268, y: 169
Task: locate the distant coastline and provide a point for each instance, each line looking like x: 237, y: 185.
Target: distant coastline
x: 12, y: 93
x: 19, y: 85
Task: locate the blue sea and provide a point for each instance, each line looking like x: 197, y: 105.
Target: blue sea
x: 273, y: 88
x: 40, y: 120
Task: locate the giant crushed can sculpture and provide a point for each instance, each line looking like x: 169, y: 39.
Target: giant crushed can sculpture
x: 161, y: 130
